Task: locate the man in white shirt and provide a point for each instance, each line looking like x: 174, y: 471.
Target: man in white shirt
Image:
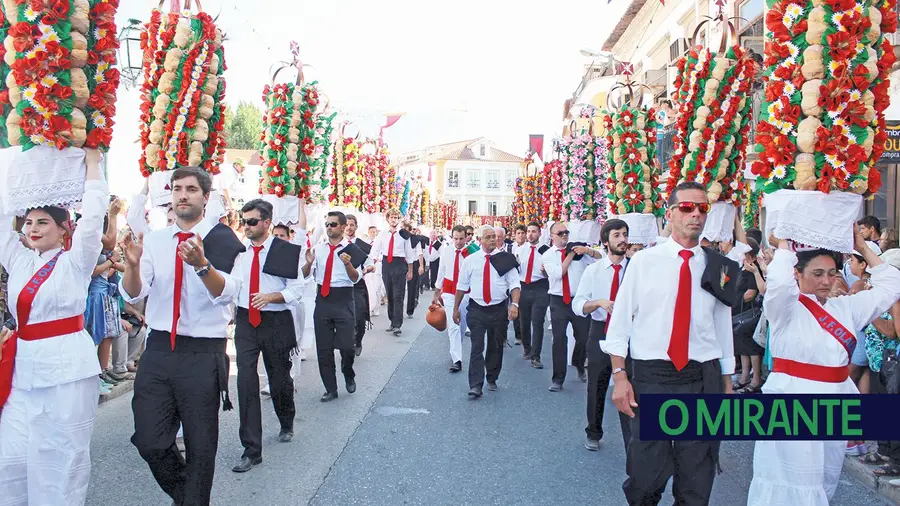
x: 361, y: 295
x: 335, y: 320
x: 397, y: 256
x: 433, y: 257
x: 679, y: 336
x: 184, y: 370
x: 268, y: 273
x: 487, y: 275
x: 451, y: 262
x: 373, y: 279
x: 519, y: 237
x: 535, y: 298
x: 413, y: 285
x: 565, y: 265
x: 595, y: 297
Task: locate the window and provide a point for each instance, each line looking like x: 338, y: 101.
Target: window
x: 473, y: 207
x: 482, y: 150
x: 453, y: 179
x: 510, y: 179
x: 493, y: 179
x: 492, y: 208
x: 474, y: 179
x: 750, y: 28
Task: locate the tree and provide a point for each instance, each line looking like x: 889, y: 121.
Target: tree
x: 242, y: 127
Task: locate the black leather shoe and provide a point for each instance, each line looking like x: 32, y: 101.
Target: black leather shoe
x: 456, y: 367
x: 582, y: 375
x: 555, y: 387
x: 285, y: 436
x: 390, y: 329
x: 475, y: 392
x: 492, y: 386
x: 592, y: 444
x: 397, y: 332
x: 328, y: 396
x: 536, y: 363
x: 351, y: 386
x: 358, y: 350
x: 246, y: 464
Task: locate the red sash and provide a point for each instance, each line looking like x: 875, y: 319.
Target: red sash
x: 32, y: 332
x: 830, y: 324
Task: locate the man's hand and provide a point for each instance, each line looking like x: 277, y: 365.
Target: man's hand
x: 437, y: 300
x: 582, y: 250
x: 456, y: 315
x: 623, y: 396
x: 421, y: 270
x: 409, y: 275
x: 750, y: 266
x: 134, y: 249
x: 261, y: 300
x: 513, y: 312
x: 191, y: 251
x: 310, y: 256
x: 607, y: 305
x: 345, y: 258
x: 127, y: 327
x: 369, y: 269
x: 115, y: 207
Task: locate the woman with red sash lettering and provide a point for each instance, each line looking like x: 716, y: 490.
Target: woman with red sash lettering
x: 811, y: 340
x: 48, y: 367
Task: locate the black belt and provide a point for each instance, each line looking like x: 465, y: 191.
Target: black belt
x: 540, y: 283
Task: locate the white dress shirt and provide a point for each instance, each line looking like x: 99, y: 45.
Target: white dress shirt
x: 471, y: 278
x: 402, y: 247
x: 290, y: 289
x: 433, y: 253
x: 523, y: 255
x: 596, y: 284
x: 339, y: 276
x: 69, y: 357
x: 552, y: 261
x: 201, y: 315
x: 447, y: 263
x: 645, y: 309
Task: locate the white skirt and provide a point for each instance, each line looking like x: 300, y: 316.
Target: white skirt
x: 45, y: 444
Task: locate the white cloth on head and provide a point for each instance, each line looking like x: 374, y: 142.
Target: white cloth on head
x: 45, y: 443
x: 822, y: 220
x: 642, y: 227
x: 160, y: 186
x: 807, y: 472
x: 641, y: 324
x: 285, y: 210
x: 738, y: 251
x: 719, y: 222
x: 41, y: 176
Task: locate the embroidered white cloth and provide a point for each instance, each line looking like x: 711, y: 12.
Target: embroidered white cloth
x: 642, y: 228
x: 160, y: 188
x: 285, y: 210
x: 821, y: 220
x: 41, y: 176
x: 720, y: 222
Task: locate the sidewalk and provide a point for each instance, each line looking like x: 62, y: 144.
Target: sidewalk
x: 863, y: 473
x: 119, y: 389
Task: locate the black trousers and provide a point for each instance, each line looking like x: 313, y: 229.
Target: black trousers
x: 650, y: 464
x: 561, y: 315
x: 361, y: 303
x: 335, y: 322
x: 491, y: 323
x: 274, y: 338
x: 433, y: 280
x: 599, y: 371
x: 412, y: 298
x: 533, y: 304
x: 394, y: 276
x: 179, y: 387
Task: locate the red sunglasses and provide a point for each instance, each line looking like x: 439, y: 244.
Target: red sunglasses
x: 688, y: 207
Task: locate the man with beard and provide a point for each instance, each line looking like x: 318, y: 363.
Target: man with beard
x: 672, y: 317
x: 335, y: 321
x: 596, y: 296
x: 451, y: 262
x: 535, y: 299
x: 397, y: 256
x: 487, y: 275
x: 565, y: 265
x: 268, y: 273
x: 184, y: 370
x: 361, y: 295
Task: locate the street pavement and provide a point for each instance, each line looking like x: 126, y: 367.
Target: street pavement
x: 409, y: 435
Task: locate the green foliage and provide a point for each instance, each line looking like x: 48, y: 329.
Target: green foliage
x: 243, y: 126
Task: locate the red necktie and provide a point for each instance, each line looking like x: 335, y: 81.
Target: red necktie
x: 681, y: 325
x: 179, y: 277
x: 329, y: 264
x: 390, y: 254
x: 614, y: 290
x: 530, y: 266
x: 486, y: 288
x: 567, y: 295
x: 255, y: 317
x: 456, y: 267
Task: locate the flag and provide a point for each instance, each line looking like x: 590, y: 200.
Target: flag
x: 536, y: 145
x: 390, y: 120
x: 625, y: 68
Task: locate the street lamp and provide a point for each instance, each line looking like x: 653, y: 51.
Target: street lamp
x: 131, y: 56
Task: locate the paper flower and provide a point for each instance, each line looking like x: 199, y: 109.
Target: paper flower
x: 634, y: 169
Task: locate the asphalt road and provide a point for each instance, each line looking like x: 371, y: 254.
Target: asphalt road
x: 409, y: 435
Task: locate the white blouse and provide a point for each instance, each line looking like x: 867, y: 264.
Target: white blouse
x: 794, y: 333
x: 70, y: 357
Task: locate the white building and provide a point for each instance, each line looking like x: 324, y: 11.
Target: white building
x: 474, y: 174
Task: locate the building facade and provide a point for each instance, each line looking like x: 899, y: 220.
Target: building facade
x: 474, y: 174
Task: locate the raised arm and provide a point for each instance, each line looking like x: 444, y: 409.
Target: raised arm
x: 88, y: 236
x: 782, y: 290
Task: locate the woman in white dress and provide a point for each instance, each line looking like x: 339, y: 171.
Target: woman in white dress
x: 49, y: 368
x: 807, y: 359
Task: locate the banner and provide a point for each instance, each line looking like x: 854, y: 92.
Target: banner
x: 536, y: 145
x: 892, y: 143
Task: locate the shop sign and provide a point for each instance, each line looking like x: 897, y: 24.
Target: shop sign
x: 892, y: 143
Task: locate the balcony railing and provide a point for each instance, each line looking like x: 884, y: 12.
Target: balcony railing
x: 453, y: 183
x: 475, y: 184
x: 493, y: 185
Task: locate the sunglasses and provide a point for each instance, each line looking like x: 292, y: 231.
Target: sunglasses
x: 688, y: 207
x: 563, y: 233
x: 251, y: 221
x: 332, y: 224
x: 468, y: 234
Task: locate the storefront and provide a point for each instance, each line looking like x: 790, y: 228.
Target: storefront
x: 884, y: 204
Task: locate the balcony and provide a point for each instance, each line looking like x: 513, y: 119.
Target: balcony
x: 474, y: 184
x: 493, y: 185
